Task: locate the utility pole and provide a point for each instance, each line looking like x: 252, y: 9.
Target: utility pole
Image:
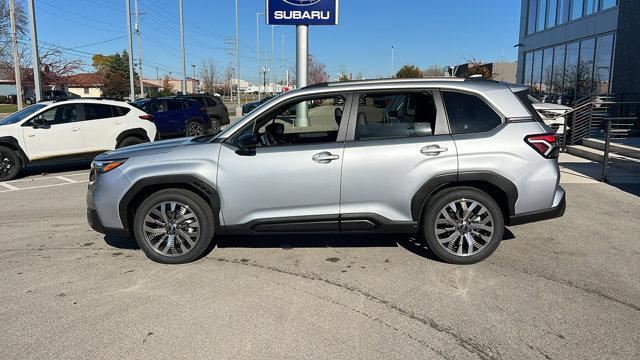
x: 34, y: 50
x: 265, y: 71
x: 239, y: 107
x: 157, y: 78
x: 258, y: 50
x: 302, y: 70
x: 284, y: 65
x: 184, y: 63
x: 193, y: 78
x: 273, y: 65
x: 132, y: 87
x: 229, y: 42
x: 16, y: 60
x: 137, y: 30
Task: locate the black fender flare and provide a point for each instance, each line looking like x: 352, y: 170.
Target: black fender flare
x: 437, y: 183
x: 156, y: 183
x: 137, y: 132
x: 13, y: 144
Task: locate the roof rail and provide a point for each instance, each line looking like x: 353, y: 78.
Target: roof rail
x: 384, y: 81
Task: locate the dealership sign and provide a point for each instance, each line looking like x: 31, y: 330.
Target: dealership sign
x: 302, y: 12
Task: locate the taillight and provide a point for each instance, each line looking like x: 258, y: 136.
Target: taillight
x: 545, y: 144
x: 147, y: 117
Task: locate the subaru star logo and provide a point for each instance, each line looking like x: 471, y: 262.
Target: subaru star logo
x: 302, y: 2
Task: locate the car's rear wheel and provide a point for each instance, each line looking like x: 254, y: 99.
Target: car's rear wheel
x: 194, y: 128
x: 215, y: 125
x: 463, y: 225
x: 9, y: 164
x: 130, y: 141
x: 174, y: 226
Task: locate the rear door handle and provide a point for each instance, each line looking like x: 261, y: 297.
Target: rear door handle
x: 324, y: 157
x: 433, y: 150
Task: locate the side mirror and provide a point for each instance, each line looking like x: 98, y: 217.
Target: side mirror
x: 247, y: 144
x: 40, y: 123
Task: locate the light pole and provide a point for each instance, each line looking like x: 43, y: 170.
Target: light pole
x: 392, y: 59
x: 137, y: 29
x: 302, y: 69
x: 273, y: 65
x: 238, y: 107
x: 16, y: 61
x: 285, y: 75
x: 193, y: 79
x: 184, y: 64
x: 34, y: 49
x: 258, y: 14
x: 132, y: 87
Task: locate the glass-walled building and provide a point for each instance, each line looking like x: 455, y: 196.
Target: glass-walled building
x: 570, y: 49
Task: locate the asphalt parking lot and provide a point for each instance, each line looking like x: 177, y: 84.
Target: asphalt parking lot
x: 563, y: 289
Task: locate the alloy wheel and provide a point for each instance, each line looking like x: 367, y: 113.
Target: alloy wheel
x: 464, y: 227
x: 7, y: 164
x: 171, y: 228
x: 194, y: 129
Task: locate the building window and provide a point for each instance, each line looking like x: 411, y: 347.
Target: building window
x: 86, y: 91
x: 528, y: 68
x: 557, y: 83
x: 531, y: 16
x: 537, y: 72
x: 563, y: 11
x: 552, y: 6
x: 605, y: 4
x: 547, y: 73
x: 542, y: 13
x: 576, y: 9
x: 590, y: 6
x: 603, y: 62
x: 571, y: 71
x: 585, y: 67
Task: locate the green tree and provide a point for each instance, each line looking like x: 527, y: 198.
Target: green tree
x: 167, y: 87
x: 115, y: 69
x: 409, y: 72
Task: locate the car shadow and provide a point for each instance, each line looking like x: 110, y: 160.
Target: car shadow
x: 32, y: 170
x: 411, y: 243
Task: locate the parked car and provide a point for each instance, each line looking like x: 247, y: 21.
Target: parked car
x: 216, y: 109
x: 55, y: 132
x: 551, y: 114
x: 250, y: 106
x: 458, y: 160
x: 177, y: 116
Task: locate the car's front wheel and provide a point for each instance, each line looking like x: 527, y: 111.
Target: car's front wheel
x: 463, y: 225
x: 174, y: 226
x: 9, y: 164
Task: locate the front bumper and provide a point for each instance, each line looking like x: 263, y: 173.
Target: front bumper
x: 555, y: 211
x: 96, y: 224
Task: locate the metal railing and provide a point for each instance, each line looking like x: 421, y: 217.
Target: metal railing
x: 610, y: 117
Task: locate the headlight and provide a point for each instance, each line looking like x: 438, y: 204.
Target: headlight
x: 101, y: 167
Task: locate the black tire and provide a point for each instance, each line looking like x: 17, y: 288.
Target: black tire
x: 440, y: 202
x: 130, y: 141
x: 203, y: 215
x: 10, y: 164
x: 215, y: 125
x: 194, y: 128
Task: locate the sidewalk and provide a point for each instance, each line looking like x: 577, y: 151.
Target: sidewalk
x: 576, y: 170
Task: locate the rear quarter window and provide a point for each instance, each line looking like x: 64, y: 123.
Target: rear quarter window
x: 468, y: 113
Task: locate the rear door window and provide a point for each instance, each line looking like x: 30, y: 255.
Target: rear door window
x: 200, y: 100
x: 395, y: 115
x: 97, y: 111
x: 173, y: 105
x: 468, y: 113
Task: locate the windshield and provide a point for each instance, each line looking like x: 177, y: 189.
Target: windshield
x: 22, y: 114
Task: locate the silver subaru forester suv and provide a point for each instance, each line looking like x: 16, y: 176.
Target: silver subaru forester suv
x: 451, y: 160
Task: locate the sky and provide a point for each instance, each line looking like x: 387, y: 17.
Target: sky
x: 422, y: 32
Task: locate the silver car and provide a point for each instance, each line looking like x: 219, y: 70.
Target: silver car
x: 453, y: 161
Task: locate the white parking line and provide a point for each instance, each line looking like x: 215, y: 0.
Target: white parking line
x: 66, y: 179
x: 13, y: 188
x: 8, y: 186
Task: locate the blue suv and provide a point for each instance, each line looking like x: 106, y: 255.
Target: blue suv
x: 176, y: 116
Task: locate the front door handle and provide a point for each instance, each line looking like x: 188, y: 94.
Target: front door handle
x: 324, y: 157
x: 433, y: 150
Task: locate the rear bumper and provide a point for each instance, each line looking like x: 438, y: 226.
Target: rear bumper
x: 556, y: 211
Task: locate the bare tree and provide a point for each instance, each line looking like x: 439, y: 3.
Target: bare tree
x: 317, y: 72
x: 55, y: 67
x: 433, y: 71
x: 477, y: 67
x: 208, y: 73
x: 5, y: 28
